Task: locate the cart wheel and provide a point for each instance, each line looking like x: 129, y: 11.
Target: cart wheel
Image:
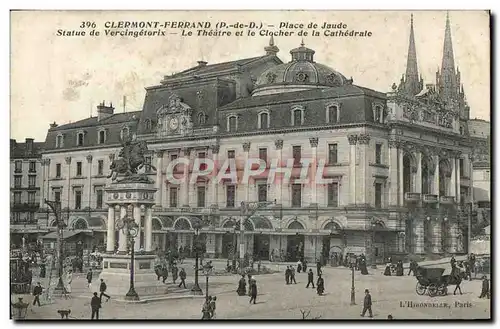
x: 444, y: 292
x: 420, y: 289
x: 432, y: 289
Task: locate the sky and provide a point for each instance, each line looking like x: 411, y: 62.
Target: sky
x: 62, y: 79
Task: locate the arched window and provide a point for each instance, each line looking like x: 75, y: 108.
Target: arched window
x: 232, y: 123
x: 407, y: 174
x: 147, y: 125
x: 378, y: 113
x: 426, y: 188
x: 333, y: 114
x: 182, y: 224
x: 202, y: 118
x: 156, y: 224
x: 80, y: 139
x: 124, y: 133
x: 60, y: 141
x: 297, y: 116
x: 80, y: 224
x: 263, y: 120
x: 444, y: 174
x: 102, y: 136
x: 295, y: 225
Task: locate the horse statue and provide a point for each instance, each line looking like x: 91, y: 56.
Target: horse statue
x: 131, y: 159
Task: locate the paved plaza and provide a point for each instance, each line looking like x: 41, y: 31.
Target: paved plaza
x: 276, y: 300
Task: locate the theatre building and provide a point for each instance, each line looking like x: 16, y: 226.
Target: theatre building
x: 397, y: 162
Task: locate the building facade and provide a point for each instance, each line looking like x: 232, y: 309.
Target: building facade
x: 397, y: 164
x: 25, y: 171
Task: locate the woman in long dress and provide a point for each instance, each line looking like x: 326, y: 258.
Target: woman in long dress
x: 69, y: 279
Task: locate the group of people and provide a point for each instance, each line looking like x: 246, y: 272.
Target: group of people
x: 162, y: 273
x: 252, y: 288
x: 208, y: 309
x: 302, y: 267
x: 398, y: 268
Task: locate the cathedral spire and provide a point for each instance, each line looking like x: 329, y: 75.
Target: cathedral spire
x: 272, y: 49
x: 412, y: 83
x: 448, y: 86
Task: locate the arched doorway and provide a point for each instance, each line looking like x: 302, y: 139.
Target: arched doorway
x: 261, y: 241
x: 331, y: 251
x: 444, y: 177
x: 407, y: 174
x: 295, y: 243
x: 229, y: 239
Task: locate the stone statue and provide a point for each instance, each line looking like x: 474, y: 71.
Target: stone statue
x: 130, y: 160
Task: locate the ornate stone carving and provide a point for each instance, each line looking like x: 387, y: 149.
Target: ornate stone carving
x: 111, y: 157
x: 334, y: 80
x: 313, y: 141
x: 159, y: 154
x: 246, y: 146
x: 47, y: 162
x: 278, y: 144
x: 187, y: 151
x: 353, y: 139
x: 301, y: 77
x: 215, y: 148
x: 364, y: 139
x: 445, y: 119
x: 130, y: 159
x: 271, y: 77
x: 393, y: 143
x: 410, y: 112
x: 68, y: 160
x: 89, y: 158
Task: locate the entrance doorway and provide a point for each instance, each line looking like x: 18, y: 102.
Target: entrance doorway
x: 325, y: 250
x: 228, y: 245
x: 295, y: 247
x: 261, y: 246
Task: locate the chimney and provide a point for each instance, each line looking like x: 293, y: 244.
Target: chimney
x: 202, y: 63
x: 104, y: 111
x: 53, y: 125
x: 29, y: 145
x: 12, y: 143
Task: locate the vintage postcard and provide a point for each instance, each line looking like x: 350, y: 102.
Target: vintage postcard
x: 222, y: 165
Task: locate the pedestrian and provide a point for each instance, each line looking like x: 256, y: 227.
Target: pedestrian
x: 304, y: 266
x: 253, y: 291
x: 89, y: 278
x: 69, y: 279
x: 95, y: 305
x: 310, y: 278
x: 413, y: 268
x: 485, y: 288
x: 205, y: 310
x: 299, y: 266
x: 287, y: 275
x: 102, y: 289
x: 164, y: 273
x: 175, y: 272
x: 292, y: 275
x: 258, y: 266
x: 182, y: 275
x: 158, y: 272
x: 367, y: 304
x: 37, y: 291
x: 250, y: 280
x: 318, y: 268
x: 212, y: 307
x: 320, y: 285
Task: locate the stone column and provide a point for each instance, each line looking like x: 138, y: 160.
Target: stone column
x: 137, y: 220
x: 435, y: 184
x: 123, y: 236
x: 393, y: 173
x: 453, y: 186
x: 457, y: 170
x: 110, y: 234
x: 246, y: 149
x: 185, y: 187
x: 89, y: 180
x: 352, y: 168
x: 418, y: 176
x: 68, y: 182
x: 364, y: 140
x: 159, y: 179
x: 419, y: 235
x: 211, y: 242
x: 278, y: 184
x: 436, y: 236
x: 214, y: 187
x: 314, y: 147
x: 401, y: 196
x: 43, y: 162
x: 148, y: 229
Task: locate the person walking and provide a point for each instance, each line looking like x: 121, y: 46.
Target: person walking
x: 205, y: 310
x: 320, y: 285
x: 212, y: 306
x: 164, y: 273
x: 89, y: 278
x: 69, y: 280
x: 37, y: 291
x: 304, y: 266
x: 95, y: 305
x: 292, y: 275
x: 318, y: 268
x: 182, y: 275
x: 253, y: 291
x: 250, y: 279
x: 102, y: 289
x: 310, y: 278
x: 242, y: 286
x: 287, y: 275
x: 175, y: 273
x: 485, y: 288
x: 367, y: 304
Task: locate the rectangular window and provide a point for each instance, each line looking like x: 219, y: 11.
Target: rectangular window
x: 31, y: 217
x: 32, y: 166
x: 100, y: 167
x: 78, y: 169
x: 378, y: 195
x: 17, y: 181
x: 332, y: 153
x: 202, y: 155
x: 80, y: 139
x: 31, y: 181
x: 57, y: 196
x: 173, y: 197
x: 17, y: 217
x: 58, y: 170
x: 102, y: 135
x: 378, y: 153
x: 17, y: 197
x: 173, y: 157
x: 462, y: 167
x: 230, y: 154
x: 333, y: 195
x: 232, y: 124
x: 297, y: 117
x: 262, y: 190
x: 98, y: 199
x: 296, y: 195
x: 18, y: 166
x: 78, y: 199
x: 147, y: 164
x: 296, y: 150
x: 263, y: 154
x: 333, y: 115
x: 31, y: 198
x: 201, y: 196
x: 486, y: 175
x: 230, y: 196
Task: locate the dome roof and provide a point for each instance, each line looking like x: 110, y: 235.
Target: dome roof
x: 301, y: 73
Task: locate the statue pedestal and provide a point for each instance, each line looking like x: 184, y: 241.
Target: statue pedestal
x: 116, y: 274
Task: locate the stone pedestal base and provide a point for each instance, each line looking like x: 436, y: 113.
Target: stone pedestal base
x: 116, y: 274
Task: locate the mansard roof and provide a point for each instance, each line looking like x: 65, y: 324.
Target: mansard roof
x: 20, y: 150
x: 92, y: 121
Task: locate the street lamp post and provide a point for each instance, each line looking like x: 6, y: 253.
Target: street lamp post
x: 55, y: 206
x: 130, y: 227
x: 207, y: 271
x: 353, y: 291
x: 196, y: 290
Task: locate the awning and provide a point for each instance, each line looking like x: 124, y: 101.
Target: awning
x: 66, y: 235
x: 95, y: 222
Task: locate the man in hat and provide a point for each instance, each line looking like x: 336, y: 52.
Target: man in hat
x: 310, y: 278
x: 485, y: 288
x: 95, y: 305
x: 37, y: 291
x: 102, y: 289
x: 367, y: 304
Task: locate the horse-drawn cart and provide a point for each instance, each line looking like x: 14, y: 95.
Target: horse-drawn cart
x: 432, y: 281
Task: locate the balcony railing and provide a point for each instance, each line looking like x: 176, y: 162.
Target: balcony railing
x: 430, y: 198
x: 447, y: 200
x: 25, y: 205
x: 18, y: 170
x: 24, y: 222
x: 412, y: 196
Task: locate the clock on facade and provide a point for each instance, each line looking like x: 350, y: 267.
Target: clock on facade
x: 173, y: 123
